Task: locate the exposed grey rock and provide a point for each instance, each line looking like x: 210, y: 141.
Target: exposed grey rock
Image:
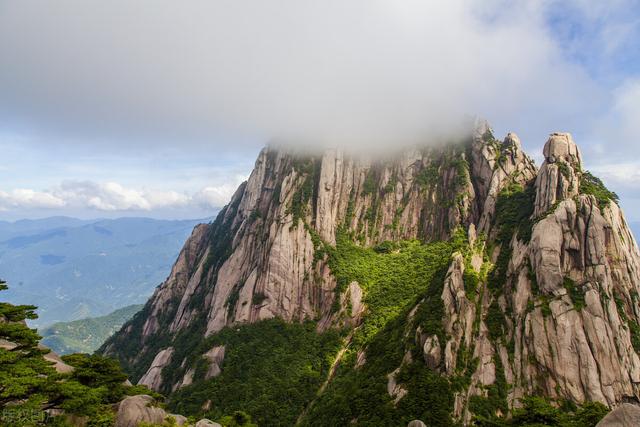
x: 187, y: 379
x: 576, y: 346
x: 432, y: 352
x: 625, y: 415
x: 558, y: 177
x: 153, y: 377
x: 58, y: 364
x: 215, y: 356
x: 273, y: 258
x: 416, y: 423
x: 136, y: 409
x: 207, y: 423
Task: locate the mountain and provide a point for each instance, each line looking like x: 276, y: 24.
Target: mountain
x: 73, y: 269
x: 446, y: 283
x: 635, y: 228
x: 85, y: 335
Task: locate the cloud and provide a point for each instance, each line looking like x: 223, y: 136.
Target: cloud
x: 618, y: 131
x: 114, y: 197
x: 25, y: 198
x: 623, y: 177
x: 215, y: 196
x: 111, y: 196
x: 362, y: 71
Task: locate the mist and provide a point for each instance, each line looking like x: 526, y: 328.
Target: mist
x: 360, y: 73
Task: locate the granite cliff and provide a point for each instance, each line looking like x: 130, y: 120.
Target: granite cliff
x: 455, y: 279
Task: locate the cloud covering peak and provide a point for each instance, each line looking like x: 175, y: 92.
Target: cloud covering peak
x: 358, y: 71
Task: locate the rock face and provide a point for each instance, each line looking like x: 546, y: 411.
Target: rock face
x: 555, y: 309
x: 215, y: 356
x: 586, y: 265
x: 558, y: 179
x: 626, y: 415
x: 256, y: 260
x: 136, y: 409
x: 153, y: 378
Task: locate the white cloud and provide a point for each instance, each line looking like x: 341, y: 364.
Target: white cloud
x: 627, y: 174
x: 616, y: 134
x: 114, y: 197
x: 360, y: 70
x: 624, y: 179
x: 26, y: 198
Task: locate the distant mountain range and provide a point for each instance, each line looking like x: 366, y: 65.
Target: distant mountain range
x: 85, y: 335
x: 73, y: 269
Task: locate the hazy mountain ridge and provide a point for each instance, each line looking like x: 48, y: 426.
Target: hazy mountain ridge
x: 461, y: 279
x: 85, y: 335
x: 73, y: 269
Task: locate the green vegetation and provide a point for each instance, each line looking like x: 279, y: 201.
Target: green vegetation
x: 391, y: 185
x: 390, y: 279
x: 232, y: 299
x: 538, y: 412
x: 488, y: 137
x: 634, y: 327
x: 395, y: 277
x: 514, y: 209
x: 575, y: 293
x: 590, y: 184
x: 564, y: 169
x: 258, y: 298
x: 499, y: 148
x: 238, y: 419
x: 495, y: 322
x: 85, y: 335
x: 428, y: 177
x: 271, y: 370
x: 494, y: 405
x: 29, y: 384
x: 370, y: 182
x: 309, y: 170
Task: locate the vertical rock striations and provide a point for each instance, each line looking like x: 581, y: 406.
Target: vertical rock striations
x: 543, y: 300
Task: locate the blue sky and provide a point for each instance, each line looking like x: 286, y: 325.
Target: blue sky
x: 158, y: 109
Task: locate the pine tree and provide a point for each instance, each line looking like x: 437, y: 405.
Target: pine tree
x: 29, y: 384
x: 25, y: 376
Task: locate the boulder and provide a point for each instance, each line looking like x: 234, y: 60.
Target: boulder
x: 207, y: 423
x: 625, y: 415
x: 215, y: 356
x: 560, y: 147
x: 432, y: 352
x: 416, y: 423
x: 136, y: 409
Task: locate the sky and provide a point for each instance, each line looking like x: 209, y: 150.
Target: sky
x: 158, y: 108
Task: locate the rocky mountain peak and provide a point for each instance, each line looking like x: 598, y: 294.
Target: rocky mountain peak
x: 559, y: 177
x: 536, y: 290
x: 561, y: 148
